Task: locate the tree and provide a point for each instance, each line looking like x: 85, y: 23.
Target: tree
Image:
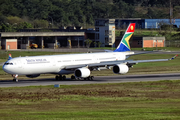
x: 88, y: 42
x: 7, y: 8
x: 56, y: 15
x: 176, y: 12
x: 14, y: 20
x: 94, y: 43
x: 24, y: 25
x: 30, y: 8
x: 43, y: 9
x: 3, y: 19
x: 99, y: 44
x: 6, y: 27
x: 83, y: 12
x: 40, y: 23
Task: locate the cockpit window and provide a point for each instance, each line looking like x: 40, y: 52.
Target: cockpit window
x: 8, y: 63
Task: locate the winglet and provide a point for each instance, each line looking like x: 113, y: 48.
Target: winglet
x: 9, y: 57
x: 174, y: 57
x: 124, y: 44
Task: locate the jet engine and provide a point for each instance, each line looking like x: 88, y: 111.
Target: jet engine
x: 33, y: 76
x: 120, y: 69
x: 82, y: 72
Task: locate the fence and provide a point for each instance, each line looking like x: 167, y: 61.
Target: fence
x: 172, y: 43
x: 4, y: 54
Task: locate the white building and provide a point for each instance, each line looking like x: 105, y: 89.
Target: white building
x: 105, y: 31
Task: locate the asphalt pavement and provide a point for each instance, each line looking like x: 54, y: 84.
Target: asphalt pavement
x: 97, y: 80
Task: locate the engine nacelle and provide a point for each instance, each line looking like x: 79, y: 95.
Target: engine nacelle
x: 33, y: 76
x: 82, y: 72
x: 120, y: 69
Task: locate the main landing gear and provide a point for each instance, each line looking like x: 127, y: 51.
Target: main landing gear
x: 60, y: 77
x: 15, y: 78
x: 88, y: 78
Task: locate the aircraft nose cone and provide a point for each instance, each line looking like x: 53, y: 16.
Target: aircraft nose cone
x: 6, y: 69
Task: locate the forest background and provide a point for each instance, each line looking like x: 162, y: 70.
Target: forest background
x: 21, y: 14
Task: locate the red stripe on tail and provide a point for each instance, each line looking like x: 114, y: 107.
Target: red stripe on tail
x: 131, y: 27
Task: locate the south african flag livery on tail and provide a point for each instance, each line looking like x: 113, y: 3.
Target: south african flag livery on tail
x: 124, y: 44
x: 9, y: 57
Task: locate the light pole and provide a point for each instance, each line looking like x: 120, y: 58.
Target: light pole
x: 156, y: 42
x: 51, y: 20
x: 170, y: 14
x: 112, y: 43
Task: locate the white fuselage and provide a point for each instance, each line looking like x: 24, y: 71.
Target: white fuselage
x: 55, y: 64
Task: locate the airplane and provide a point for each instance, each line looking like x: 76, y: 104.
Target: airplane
x: 80, y: 65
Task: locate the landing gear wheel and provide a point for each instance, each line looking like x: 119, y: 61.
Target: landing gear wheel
x: 57, y: 77
x: 89, y: 78
x: 73, y: 77
x: 60, y: 77
x: 15, y: 80
x: 64, y: 77
x: 92, y: 77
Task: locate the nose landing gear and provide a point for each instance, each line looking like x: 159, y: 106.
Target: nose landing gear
x: 15, y: 78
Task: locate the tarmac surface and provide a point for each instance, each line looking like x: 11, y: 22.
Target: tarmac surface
x: 97, y: 80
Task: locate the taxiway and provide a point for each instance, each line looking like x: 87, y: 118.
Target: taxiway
x: 97, y: 80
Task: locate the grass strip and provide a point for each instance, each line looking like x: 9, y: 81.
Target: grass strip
x: 129, y: 101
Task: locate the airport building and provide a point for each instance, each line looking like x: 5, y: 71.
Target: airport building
x: 8, y: 44
x: 74, y: 37
x: 104, y: 33
x: 144, y: 42
x: 146, y: 23
x: 147, y: 42
x: 22, y: 40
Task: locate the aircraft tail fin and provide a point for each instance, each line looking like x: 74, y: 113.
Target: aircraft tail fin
x: 10, y: 57
x: 124, y: 44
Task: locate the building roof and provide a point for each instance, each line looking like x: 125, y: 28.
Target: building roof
x: 30, y: 34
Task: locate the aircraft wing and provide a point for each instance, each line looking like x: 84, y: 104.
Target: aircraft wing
x: 112, y: 63
x: 101, y: 64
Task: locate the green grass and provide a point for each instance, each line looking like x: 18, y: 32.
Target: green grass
x: 5, y: 54
x: 126, y: 101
